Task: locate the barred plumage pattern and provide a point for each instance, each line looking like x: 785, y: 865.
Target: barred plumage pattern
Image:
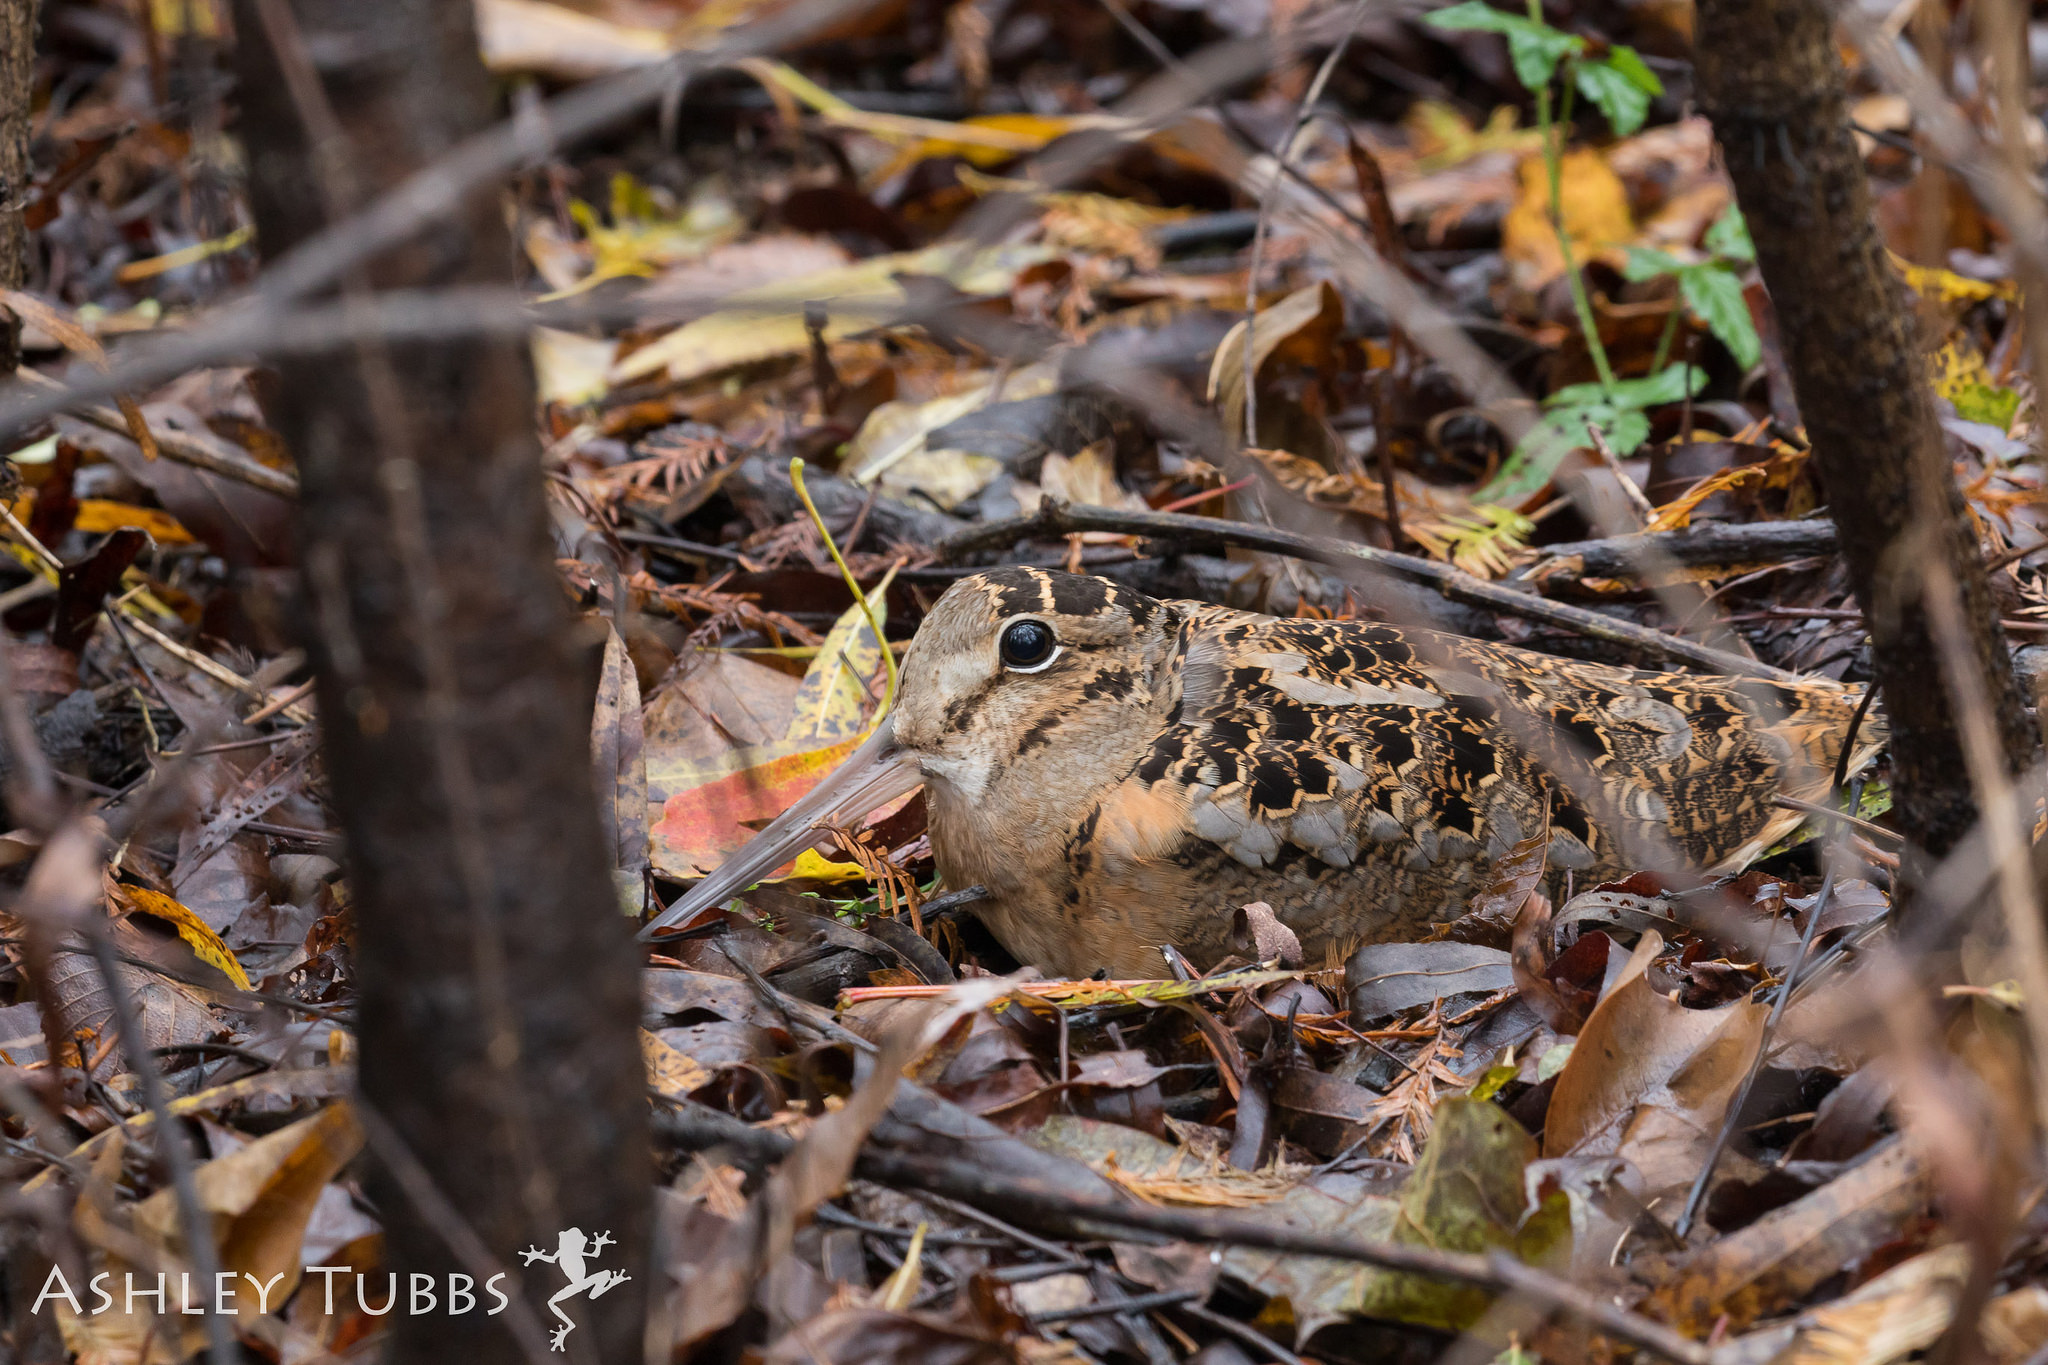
x: 1177, y: 760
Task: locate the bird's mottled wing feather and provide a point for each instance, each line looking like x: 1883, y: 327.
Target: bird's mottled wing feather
x: 1352, y: 740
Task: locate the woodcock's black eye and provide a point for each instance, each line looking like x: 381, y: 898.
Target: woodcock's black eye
x: 1028, y: 646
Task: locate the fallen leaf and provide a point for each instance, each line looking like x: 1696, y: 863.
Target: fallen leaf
x: 710, y: 805
x: 570, y: 368
x: 258, y: 1200
x: 530, y: 35
x: 1650, y: 1080
x: 1595, y: 212
x: 204, y: 942
x: 1787, y: 1253
x: 1466, y: 1194
x: 672, y: 1072
x: 618, y: 752
x: 767, y: 323
x: 97, y: 516
x: 1386, y: 978
x: 1303, y: 327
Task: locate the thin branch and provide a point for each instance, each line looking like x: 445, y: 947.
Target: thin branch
x: 1000, y: 1192
x: 1284, y: 159
x: 1055, y: 518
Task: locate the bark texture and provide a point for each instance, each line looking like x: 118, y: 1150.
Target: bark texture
x: 499, y: 987
x: 17, y: 100
x: 1769, y: 78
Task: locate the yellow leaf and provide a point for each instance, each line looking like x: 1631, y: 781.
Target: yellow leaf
x: 527, y: 35
x: 670, y: 1070
x: 96, y: 516
x: 901, y: 1287
x: 647, y: 232
x: 813, y: 866
x: 206, y: 945
x: 570, y: 368
x: 1946, y: 286
x: 832, y: 702
x: 1595, y: 210
x: 1442, y: 137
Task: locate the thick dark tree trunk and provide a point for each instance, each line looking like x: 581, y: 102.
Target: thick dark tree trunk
x: 1769, y: 78
x: 17, y: 96
x: 499, y: 988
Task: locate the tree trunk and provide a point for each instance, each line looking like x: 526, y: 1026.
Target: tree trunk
x: 17, y: 98
x: 1769, y: 78
x: 499, y: 987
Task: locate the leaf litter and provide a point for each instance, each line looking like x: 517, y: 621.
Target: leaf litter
x: 1543, y: 1082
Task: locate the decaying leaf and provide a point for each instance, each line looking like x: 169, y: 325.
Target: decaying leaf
x: 1649, y: 1079
x: 618, y: 754
x: 1465, y: 1194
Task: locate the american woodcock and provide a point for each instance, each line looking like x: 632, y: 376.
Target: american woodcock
x: 1122, y: 772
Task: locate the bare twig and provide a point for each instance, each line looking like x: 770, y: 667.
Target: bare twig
x: 1055, y: 518
x: 1283, y: 157
x: 998, y: 1191
x: 213, y: 457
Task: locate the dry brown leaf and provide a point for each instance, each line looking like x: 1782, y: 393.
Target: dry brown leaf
x: 1304, y: 327
x: 1650, y: 1080
x: 619, y: 753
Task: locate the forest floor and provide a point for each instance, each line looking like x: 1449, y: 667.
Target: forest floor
x: 980, y: 263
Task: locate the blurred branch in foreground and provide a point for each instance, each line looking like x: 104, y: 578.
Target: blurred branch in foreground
x: 499, y: 997
x: 1769, y: 75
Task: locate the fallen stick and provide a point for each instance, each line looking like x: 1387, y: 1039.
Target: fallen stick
x: 213, y: 457
x: 1708, y: 543
x: 1055, y: 518
x: 1029, y: 1201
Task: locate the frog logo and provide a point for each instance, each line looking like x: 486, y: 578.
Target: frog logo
x: 571, y: 1250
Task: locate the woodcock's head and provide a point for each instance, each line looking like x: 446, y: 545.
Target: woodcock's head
x: 1021, y: 689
